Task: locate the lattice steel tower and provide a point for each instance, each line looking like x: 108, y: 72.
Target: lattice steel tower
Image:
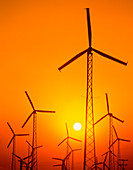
x: 90, y: 161
x: 34, y: 137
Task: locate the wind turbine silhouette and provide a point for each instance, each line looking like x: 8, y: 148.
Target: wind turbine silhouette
x: 13, y: 167
x: 111, y: 117
x: 67, y: 138
x: 118, y: 139
x: 34, y: 113
x: 89, y: 147
x: 22, y: 161
x: 63, y: 165
x: 104, y: 162
x: 123, y: 163
x: 72, y: 150
x: 33, y: 149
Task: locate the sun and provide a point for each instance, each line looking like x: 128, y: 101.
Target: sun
x: 77, y: 126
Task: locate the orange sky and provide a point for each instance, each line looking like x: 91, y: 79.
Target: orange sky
x: 36, y: 38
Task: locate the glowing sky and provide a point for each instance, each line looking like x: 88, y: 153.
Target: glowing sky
x: 36, y: 37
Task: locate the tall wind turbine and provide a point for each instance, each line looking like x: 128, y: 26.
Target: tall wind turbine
x: 72, y: 150
x: 67, y: 146
x: 89, y: 146
x: 22, y: 160
x: 13, y: 167
x: 111, y: 117
x: 106, y: 154
x: 63, y: 165
x: 118, y: 139
x: 34, y: 113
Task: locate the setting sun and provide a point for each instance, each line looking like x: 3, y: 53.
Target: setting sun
x: 77, y: 126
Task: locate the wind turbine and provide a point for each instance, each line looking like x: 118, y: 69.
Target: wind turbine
x: 123, y: 163
x: 33, y: 149
x: 111, y: 117
x: 104, y: 162
x: 22, y: 161
x: 34, y: 113
x: 89, y: 147
x: 72, y: 150
x: 67, y: 138
x: 13, y: 167
x: 63, y: 165
x: 118, y: 139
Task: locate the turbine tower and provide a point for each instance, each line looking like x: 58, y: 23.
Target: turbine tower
x: 34, y: 139
x: 67, y: 146
x: 111, y: 117
x: 118, y: 139
x: 13, y: 166
x: 22, y: 161
x: 123, y: 164
x: 72, y: 150
x: 89, y: 146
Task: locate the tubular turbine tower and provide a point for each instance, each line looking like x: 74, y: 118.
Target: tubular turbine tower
x: 89, y: 146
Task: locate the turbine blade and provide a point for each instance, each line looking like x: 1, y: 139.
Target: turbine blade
x: 58, y: 165
x: 10, y: 128
x: 109, y: 57
x: 105, y: 157
x: 113, y: 143
x: 16, y: 155
x: 76, y: 149
x: 62, y: 142
x: 22, y: 134
x: 124, y: 140
x: 107, y: 102
x: 58, y: 159
x: 69, y: 146
x: 10, y: 141
x: 118, y: 119
x: 27, y: 119
x: 75, y: 139
x: 29, y: 100
x: 112, y: 153
x: 67, y: 156
x: 89, y: 26
x: 115, y: 131
x: 67, y: 130
x: 38, y: 147
x: 105, y: 153
x: 100, y: 119
x: 29, y: 144
x: 74, y: 58
x: 106, y: 166
x: 27, y: 157
x: 45, y: 111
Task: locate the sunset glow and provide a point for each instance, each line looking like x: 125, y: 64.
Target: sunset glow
x: 36, y: 38
x: 77, y: 126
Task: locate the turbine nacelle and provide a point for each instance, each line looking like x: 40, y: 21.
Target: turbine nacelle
x: 34, y: 110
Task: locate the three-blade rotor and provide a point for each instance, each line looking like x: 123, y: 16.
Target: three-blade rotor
x: 117, y: 138
x: 33, y: 148
x: 14, y: 135
x: 34, y: 110
x: 108, y: 113
x: 90, y: 49
x: 68, y: 137
x: 72, y: 150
